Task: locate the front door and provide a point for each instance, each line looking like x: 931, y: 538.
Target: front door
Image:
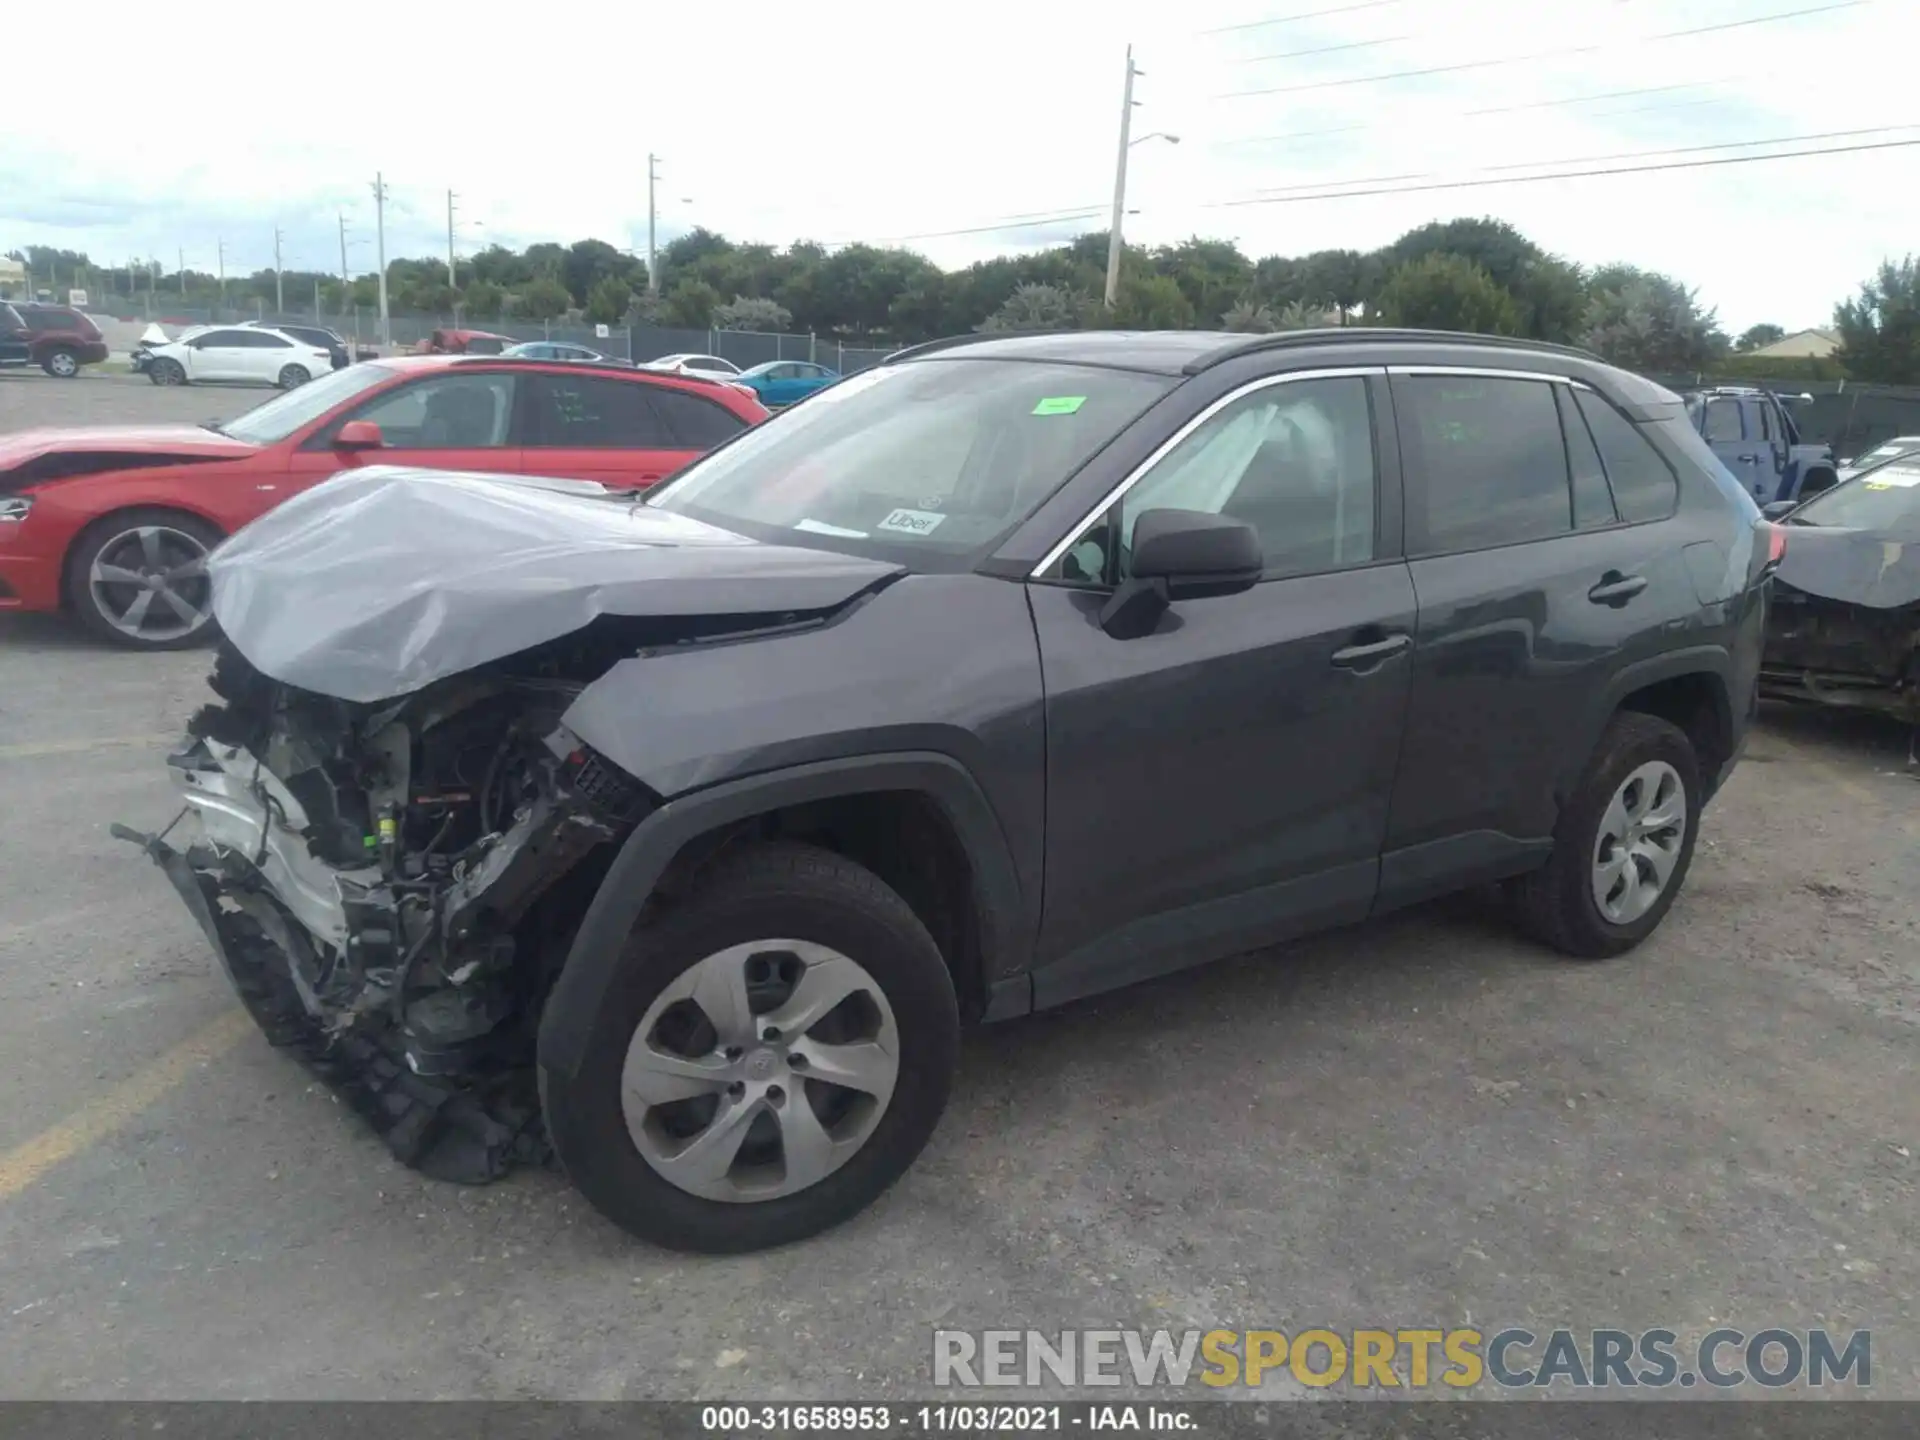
x: 219, y: 355
x: 1223, y: 782
x: 1536, y: 539
x: 1731, y: 429
x: 450, y: 420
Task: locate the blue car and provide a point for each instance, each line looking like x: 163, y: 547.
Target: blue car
x: 781, y: 382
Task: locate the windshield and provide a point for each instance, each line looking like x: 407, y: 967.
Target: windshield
x: 1885, y: 452
x: 927, y: 463
x: 1887, y: 499
x: 274, y: 421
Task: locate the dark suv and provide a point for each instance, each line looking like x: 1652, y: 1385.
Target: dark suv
x: 1004, y: 673
x: 57, y: 338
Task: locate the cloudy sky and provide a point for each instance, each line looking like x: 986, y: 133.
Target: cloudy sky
x: 842, y: 120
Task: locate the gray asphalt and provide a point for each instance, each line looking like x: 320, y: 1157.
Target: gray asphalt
x: 1422, y: 1122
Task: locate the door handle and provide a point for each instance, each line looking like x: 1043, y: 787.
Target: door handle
x: 1616, y: 589
x: 1370, y: 653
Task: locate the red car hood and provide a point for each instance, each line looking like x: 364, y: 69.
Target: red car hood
x: 186, y: 441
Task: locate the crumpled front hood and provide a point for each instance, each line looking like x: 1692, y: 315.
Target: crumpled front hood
x: 1860, y: 567
x: 385, y: 579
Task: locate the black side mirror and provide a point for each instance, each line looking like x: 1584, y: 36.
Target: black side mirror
x: 1181, y: 555
x: 1776, y: 509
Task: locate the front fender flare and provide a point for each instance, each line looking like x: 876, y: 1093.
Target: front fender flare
x: 1008, y: 918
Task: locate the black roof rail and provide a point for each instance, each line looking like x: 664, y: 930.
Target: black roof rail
x: 1372, y: 335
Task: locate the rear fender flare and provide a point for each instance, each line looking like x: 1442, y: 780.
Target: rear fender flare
x: 1005, y: 914
x: 1711, y: 660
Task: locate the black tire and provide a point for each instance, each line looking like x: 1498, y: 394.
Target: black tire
x: 799, y: 892
x: 292, y: 377
x: 1555, y: 904
x: 61, y: 363
x: 104, y: 532
x: 167, y: 372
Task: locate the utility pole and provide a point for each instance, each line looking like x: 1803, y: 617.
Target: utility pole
x: 344, y: 282
x: 182, y: 254
x: 220, y: 251
x: 653, y: 215
x: 380, y: 252
x: 279, y: 277
x: 1120, y: 183
x: 453, y: 281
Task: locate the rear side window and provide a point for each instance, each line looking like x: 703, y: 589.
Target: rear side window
x: 595, y: 413
x: 1644, y: 485
x: 1592, y: 503
x: 1723, y: 422
x: 52, y: 320
x: 1492, y: 459
x: 696, y: 423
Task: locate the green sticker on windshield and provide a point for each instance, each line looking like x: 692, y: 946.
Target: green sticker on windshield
x: 1059, y: 405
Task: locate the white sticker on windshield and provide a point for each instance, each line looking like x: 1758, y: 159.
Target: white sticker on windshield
x: 911, y: 522
x: 820, y: 527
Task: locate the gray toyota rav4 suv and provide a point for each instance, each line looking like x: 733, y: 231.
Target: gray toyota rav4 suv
x: 675, y: 836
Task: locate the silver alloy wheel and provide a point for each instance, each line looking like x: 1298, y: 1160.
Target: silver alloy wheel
x: 150, y: 583
x: 292, y: 377
x: 760, y: 1070
x: 62, y: 364
x: 1641, y: 834
x: 168, y: 372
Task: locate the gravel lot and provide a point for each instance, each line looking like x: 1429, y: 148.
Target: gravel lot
x: 1424, y: 1122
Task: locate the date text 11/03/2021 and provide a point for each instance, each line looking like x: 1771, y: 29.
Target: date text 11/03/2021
x: 938, y: 1418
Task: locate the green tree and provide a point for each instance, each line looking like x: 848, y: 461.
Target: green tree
x: 1249, y: 316
x: 608, y: 300
x: 1151, y: 302
x: 750, y: 312
x: 588, y: 262
x: 1645, y: 321
x: 689, y: 304
x: 544, y: 298
x: 482, y: 300
x: 1035, y: 307
x: 1341, y: 280
x: 1755, y: 336
x: 1880, y: 327
x: 1446, y: 292
x: 1212, y: 274
x: 1552, y: 296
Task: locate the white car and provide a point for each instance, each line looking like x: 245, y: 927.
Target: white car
x: 702, y: 367
x: 236, y: 353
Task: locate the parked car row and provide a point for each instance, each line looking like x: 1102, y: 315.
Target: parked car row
x: 282, y: 355
x: 678, y: 837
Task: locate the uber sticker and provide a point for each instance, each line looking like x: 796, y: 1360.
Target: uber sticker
x: 911, y: 522
x: 1893, y: 480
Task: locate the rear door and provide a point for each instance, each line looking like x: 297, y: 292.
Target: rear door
x: 1537, y: 580
x: 619, y: 432
x: 453, y: 420
x: 1732, y: 432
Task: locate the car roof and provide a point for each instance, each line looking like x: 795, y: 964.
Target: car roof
x: 1188, y: 352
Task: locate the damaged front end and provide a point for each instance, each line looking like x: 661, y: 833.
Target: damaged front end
x: 1843, y: 625
x: 391, y: 888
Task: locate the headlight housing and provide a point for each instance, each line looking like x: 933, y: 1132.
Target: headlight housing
x: 14, y: 507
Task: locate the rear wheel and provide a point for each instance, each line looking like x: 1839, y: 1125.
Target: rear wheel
x: 292, y: 377
x: 1623, y: 845
x: 61, y: 364
x: 166, y: 372
x: 139, y: 579
x: 774, y: 1052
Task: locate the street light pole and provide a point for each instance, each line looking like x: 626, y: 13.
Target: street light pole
x: 453, y: 281
x: 279, y: 277
x: 653, y: 215
x: 220, y: 251
x: 380, y: 252
x: 1120, y: 183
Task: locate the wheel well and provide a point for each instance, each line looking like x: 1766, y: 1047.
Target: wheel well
x: 904, y: 837
x: 87, y: 532
x: 1697, y: 703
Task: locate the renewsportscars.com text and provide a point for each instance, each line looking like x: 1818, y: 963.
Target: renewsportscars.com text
x: 1412, y: 1359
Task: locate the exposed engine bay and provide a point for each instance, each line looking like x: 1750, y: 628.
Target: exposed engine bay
x: 392, y: 887
x: 1843, y: 653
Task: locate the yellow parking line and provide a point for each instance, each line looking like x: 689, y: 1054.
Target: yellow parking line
x: 79, y: 747
x: 96, y: 1120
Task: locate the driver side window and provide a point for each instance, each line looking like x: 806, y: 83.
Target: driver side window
x: 446, y: 412
x: 1295, y: 461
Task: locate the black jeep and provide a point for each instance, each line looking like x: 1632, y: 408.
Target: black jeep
x: 681, y: 836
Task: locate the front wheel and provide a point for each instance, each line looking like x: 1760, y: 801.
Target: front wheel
x: 774, y: 1052
x: 1623, y: 845
x: 292, y: 377
x: 139, y: 579
x: 61, y: 364
x: 167, y: 372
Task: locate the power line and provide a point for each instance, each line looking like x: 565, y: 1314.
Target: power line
x: 1598, y: 159
x: 1037, y: 221
x: 1497, y: 61
x: 1568, y: 174
x: 1324, y: 49
x: 1303, y: 15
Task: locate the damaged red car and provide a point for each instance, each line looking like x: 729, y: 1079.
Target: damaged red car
x: 114, y: 524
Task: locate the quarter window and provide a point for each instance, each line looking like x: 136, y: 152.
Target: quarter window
x: 1644, y: 485
x: 1295, y: 461
x: 1491, y: 457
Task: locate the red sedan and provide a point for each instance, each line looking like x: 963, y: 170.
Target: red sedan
x: 115, y: 523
